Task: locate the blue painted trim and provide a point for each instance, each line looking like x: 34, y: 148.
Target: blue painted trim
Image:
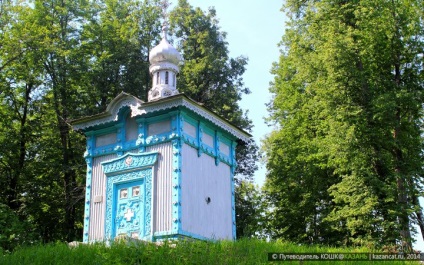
x: 199, y: 138
x: 129, y: 162
x: 91, y: 141
x: 120, y: 139
x: 129, y: 167
x: 166, y: 235
x: 142, y: 132
x: 210, y: 150
x: 143, y: 140
x: 217, y: 144
x: 233, y: 200
x: 87, y: 200
x: 217, y: 134
x: 103, y: 131
x: 176, y: 174
x: 189, y: 139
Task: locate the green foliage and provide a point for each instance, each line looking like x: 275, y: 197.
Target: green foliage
x: 345, y: 166
x: 62, y: 60
x: 12, y: 230
x: 209, y: 76
x: 52, y: 70
x: 116, y: 42
x: 181, y: 252
x: 250, y: 211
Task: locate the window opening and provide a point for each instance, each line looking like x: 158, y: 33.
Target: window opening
x: 123, y: 193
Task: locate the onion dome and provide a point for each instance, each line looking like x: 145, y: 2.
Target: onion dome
x: 164, y: 52
x: 164, y: 60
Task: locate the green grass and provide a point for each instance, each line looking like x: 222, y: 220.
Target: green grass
x: 181, y: 252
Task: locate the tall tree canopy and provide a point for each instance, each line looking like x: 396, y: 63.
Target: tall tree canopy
x: 61, y: 60
x: 346, y: 163
x: 210, y: 76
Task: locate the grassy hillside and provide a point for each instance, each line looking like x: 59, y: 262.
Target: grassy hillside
x: 182, y: 252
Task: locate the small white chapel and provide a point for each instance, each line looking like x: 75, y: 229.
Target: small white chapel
x: 161, y: 169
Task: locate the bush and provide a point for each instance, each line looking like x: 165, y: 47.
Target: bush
x: 12, y: 230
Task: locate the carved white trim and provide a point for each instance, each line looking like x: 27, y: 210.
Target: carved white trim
x: 112, y: 113
x: 138, y: 108
x: 198, y: 110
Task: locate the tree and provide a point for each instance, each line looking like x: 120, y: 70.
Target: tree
x: 20, y: 83
x: 348, y: 103
x: 61, y: 60
x: 209, y: 75
x: 59, y: 31
x: 12, y: 230
x: 116, y: 43
x: 21, y: 87
x: 250, y: 211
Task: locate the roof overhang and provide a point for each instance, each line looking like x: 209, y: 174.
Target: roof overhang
x: 139, y: 108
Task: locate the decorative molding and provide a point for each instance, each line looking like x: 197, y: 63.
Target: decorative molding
x: 129, y: 161
x: 112, y: 112
x: 233, y: 199
x: 233, y: 157
x: 139, y: 108
x: 176, y: 184
x: 112, y: 181
x: 87, y: 204
x: 182, y: 101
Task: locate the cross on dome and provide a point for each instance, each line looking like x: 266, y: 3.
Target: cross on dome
x: 164, y: 60
x: 165, y: 15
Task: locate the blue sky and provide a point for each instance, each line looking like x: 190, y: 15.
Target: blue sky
x: 254, y: 29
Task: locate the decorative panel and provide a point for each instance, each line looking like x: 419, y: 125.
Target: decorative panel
x: 159, y: 127
x: 130, y: 167
x: 129, y: 161
x: 208, y: 139
x: 190, y: 129
x: 131, y: 129
x: 129, y: 209
x: 123, y: 217
x: 225, y: 149
x: 106, y: 139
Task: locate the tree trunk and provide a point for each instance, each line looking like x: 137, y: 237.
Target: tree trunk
x: 13, y: 202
